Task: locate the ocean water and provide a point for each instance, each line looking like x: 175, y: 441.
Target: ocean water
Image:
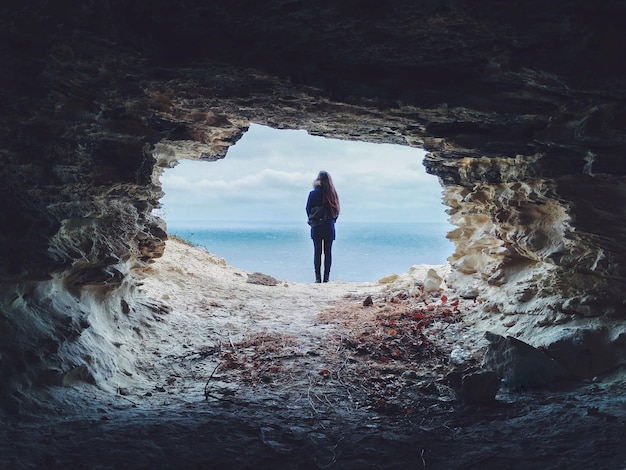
x: 361, y: 252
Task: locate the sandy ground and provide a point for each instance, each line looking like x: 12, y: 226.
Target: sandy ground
x: 261, y: 374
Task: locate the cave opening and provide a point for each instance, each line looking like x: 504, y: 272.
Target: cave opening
x: 249, y: 207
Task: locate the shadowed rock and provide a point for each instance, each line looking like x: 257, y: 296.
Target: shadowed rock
x: 519, y: 364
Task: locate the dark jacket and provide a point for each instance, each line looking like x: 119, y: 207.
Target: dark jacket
x: 327, y: 230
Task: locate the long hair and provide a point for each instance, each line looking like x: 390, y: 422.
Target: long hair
x: 329, y: 193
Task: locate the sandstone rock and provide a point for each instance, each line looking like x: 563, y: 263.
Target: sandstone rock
x: 262, y: 279
x: 432, y: 281
x: 480, y: 387
x: 519, y: 364
x: 388, y: 279
x: 474, y: 385
x: 588, y: 351
x: 459, y: 356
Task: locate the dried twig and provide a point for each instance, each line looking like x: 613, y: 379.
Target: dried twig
x: 127, y: 399
x: 206, y: 386
x: 325, y: 399
x: 452, y: 320
x: 230, y: 340
x: 308, y: 394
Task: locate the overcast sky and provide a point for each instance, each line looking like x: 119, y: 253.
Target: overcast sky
x: 267, y: 176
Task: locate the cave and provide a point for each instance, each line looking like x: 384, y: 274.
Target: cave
x: 520, y: 107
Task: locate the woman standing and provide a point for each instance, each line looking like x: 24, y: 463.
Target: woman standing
x: 322, y: 198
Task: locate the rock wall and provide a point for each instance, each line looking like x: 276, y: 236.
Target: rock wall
x: 520, y: 106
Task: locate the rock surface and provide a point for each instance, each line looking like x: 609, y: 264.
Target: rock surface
x: 302, y: 383
x: 475, y: 386
x: 521, y: 108
x: 519, y: 364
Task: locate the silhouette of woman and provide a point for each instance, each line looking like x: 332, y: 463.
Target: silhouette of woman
x: 322, y: 198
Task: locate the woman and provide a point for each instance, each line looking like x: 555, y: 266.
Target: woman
x: 323, y: 230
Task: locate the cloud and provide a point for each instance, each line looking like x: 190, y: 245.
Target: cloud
x: 269, y: 173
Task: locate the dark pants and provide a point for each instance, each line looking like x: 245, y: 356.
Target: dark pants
x: 326, y: 245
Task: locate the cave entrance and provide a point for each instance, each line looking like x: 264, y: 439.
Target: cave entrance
x: 337, y: 351
x: 249, y: 208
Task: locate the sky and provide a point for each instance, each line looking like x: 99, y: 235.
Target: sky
x: 267, y: 175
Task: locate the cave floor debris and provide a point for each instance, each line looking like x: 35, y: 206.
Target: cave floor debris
x: 239, y: 375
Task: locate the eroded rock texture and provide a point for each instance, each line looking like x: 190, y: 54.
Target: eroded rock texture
x: 521, y: 106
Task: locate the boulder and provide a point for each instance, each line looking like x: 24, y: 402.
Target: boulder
x: 519, y: 364
x: 475, y: 386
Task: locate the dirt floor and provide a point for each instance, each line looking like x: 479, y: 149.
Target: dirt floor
x: 240, y: 371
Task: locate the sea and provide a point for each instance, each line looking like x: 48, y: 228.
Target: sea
x: 361, y: 251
